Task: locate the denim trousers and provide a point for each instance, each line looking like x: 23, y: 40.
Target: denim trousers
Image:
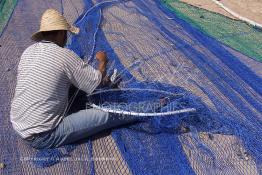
x: 78, y: 126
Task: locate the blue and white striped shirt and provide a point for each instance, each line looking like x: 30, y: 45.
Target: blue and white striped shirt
x: 45, y: 73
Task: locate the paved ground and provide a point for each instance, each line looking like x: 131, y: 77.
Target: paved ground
x: 251, y: 9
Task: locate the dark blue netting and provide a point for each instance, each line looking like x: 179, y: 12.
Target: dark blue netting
x: 153, y: 49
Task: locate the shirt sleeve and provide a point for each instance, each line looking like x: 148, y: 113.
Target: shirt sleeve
x: 81, y: 74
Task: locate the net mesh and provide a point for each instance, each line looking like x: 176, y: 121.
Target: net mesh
x: 156, y: 49
x: 152, y: 48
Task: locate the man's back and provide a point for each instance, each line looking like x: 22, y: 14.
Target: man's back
x: 45, y: 73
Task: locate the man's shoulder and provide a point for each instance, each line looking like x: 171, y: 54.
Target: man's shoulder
x: 65, y: 52
x: 30, y: 48
x: 50, y: 50
x: 69, y: 52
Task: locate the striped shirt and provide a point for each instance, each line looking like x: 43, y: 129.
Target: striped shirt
x: 45, y: 73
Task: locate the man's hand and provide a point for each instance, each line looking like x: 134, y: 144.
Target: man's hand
x: 105, y: 82
x: 101, y: 57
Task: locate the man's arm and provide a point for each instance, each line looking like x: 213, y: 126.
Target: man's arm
x: 105, y: 82
x: 80, y: 74
x: 102, y: 59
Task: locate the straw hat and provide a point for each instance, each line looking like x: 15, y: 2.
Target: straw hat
x: 53, y: 20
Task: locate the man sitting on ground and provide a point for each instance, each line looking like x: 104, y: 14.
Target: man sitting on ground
x: 45, y: 72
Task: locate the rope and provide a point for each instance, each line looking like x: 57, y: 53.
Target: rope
x: 253, y: 23
x: 94, y: 40
x: 96, y: 6
x: 117, y: 111
x: 92, y: 53
x: 144, y: 114
x: 94, y: 37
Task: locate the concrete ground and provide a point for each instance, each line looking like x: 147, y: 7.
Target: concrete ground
x: 251, y: 9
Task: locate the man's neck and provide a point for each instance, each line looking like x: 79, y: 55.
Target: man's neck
x: 50, y: 41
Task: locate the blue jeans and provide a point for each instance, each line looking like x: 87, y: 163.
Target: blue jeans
x: 77, y: 126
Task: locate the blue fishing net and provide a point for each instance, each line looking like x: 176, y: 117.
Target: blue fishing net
x: 154, y: 49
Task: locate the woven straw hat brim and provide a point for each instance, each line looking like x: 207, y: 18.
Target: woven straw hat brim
x: 38, y: 36
x: 52, y: 20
